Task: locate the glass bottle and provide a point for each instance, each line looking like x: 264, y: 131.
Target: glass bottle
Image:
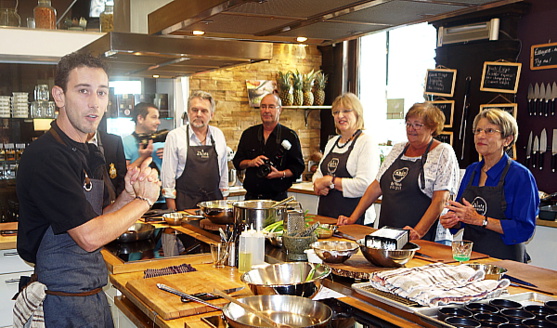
x: 107, y: 17
x: 9, y: 17
x: 45, y: 15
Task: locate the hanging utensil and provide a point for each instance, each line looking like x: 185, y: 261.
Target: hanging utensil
x: 543, y: 147
x: 554, y: 151
x: 282, y: 202
x: 464, y: 117
x: 529, y: 149
x: 530, y: 98
x: 553, y: 98
x: 535, y: 105
x: 541, y: 104
x: 546, y: 106
x: 535, y: 149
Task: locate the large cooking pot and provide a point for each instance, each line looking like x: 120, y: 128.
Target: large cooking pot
x: 293, y: 311
x: 258, y: 213
x: 218, y: 211
x: 138, y: 231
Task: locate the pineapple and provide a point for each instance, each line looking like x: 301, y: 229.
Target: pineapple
x: 307, y: 84
x: 297, y: 83
x: 285, y: 88
x: 319, y: 92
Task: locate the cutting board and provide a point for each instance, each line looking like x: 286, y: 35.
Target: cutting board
x: 545, y: 279
x: 436, y: 252
x: 170, y: 306
x: 356, y: 267
x: 356, y: 231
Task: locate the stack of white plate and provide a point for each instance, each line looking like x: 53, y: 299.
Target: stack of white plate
x: 20, y: 104
x: 4, y: 106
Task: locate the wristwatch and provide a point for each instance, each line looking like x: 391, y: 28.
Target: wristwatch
x: 332, y: 185
x: 485, y: 222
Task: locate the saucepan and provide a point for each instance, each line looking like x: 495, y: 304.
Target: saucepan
x: 258, y: 213
x: 138, y: 231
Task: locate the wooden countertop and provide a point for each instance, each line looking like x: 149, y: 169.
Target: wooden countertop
x: 8, y: 242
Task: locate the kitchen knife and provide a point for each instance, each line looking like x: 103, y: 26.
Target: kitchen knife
x: 541, y: 104
x: 536, y: 96
x: 554, y: 98
x: 519, y: 281
x: 535, y: 149
x: 184, y: 295
x: 547, y: 100
x: 209, y: 296
x: 530, y: 97
x: 554, y: 151
x: 529, y: 150
x: 543, y: 147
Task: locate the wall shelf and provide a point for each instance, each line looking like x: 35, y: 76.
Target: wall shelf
x: 307, y: 110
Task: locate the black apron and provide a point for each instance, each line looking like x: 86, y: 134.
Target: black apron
x: 64, y: 267
x: 403, y: 202
x: 334, y: 204
x: 490, y: 201
x: 201, y: 177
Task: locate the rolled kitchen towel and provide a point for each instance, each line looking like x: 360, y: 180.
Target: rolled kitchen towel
x: 28, y: 308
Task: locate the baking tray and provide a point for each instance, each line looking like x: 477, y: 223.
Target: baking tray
x: 407, y: 305
x: 529, y: 298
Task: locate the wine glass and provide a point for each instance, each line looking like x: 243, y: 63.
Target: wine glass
x: 462, y: 250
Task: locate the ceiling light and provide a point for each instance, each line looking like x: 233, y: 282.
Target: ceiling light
x: 197, y: 32
x: 301, y: 39
x: 156, y: 76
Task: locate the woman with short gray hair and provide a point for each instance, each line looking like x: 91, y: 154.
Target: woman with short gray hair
x: 498, y: 198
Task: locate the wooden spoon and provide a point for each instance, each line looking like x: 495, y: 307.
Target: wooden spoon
x: 248, y: 308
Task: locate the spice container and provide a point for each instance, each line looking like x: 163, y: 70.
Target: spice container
x: 107, y: 17
x: 45, y: 15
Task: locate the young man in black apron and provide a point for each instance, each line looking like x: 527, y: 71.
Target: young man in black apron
x: 195, y: 167
x: 62, y: 225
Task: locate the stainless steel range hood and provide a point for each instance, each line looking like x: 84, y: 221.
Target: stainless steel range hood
x: 142, y: 55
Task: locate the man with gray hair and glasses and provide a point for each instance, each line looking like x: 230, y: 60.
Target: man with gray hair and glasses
x: 194, y: 166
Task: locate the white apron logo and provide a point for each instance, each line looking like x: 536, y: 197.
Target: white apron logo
x: 332, y: 165
x: 480, y: 205
x: 398, y: 176
x: 202, y: 154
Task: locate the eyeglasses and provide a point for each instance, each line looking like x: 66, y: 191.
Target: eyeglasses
x: 488, y: 132
x: 344, y: 112
x: 268, y: 107
x: 415, y: 126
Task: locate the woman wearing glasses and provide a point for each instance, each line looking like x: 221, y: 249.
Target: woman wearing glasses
x: 415, y: 179
x: 498, y: 197
x: 351, y: 161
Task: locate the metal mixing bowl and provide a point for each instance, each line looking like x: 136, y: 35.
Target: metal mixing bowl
x: 492, y: 272
x: 286, y: 279
x: 138, y: 231
x: 334, y: 251
x: 389, y: 258
x: 292, y: 311
x: 218, y: 211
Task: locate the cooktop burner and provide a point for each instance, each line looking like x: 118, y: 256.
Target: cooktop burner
x: 165, y: 242
x: 344, y: 316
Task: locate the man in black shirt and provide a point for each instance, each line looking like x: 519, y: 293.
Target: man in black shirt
x: 270, y: 153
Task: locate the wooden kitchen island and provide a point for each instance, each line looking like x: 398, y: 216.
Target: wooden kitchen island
x: 141, y: 307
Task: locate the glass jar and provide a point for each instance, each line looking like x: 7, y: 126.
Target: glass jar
x: 45, y: 15
x: 9, y: 17
x: 107, y: 17
x: 41, y: 92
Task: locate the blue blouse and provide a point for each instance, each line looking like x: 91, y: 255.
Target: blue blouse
x: 521, y: 194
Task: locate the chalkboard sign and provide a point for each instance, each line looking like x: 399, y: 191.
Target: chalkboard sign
x: 446, y: 137
x: 500, y: 77
x: 543, y: 56
x: 509, y: 107
x: 447, y: 107
x: 440, y: 82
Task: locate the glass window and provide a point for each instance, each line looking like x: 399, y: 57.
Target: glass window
x: 392, y: 70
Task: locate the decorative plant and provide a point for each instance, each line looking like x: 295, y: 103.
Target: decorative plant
x: 320, y: 84
x: 284, y: 84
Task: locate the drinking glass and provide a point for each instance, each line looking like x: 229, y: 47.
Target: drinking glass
x: 462, y: 249
x: 219, y: 252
